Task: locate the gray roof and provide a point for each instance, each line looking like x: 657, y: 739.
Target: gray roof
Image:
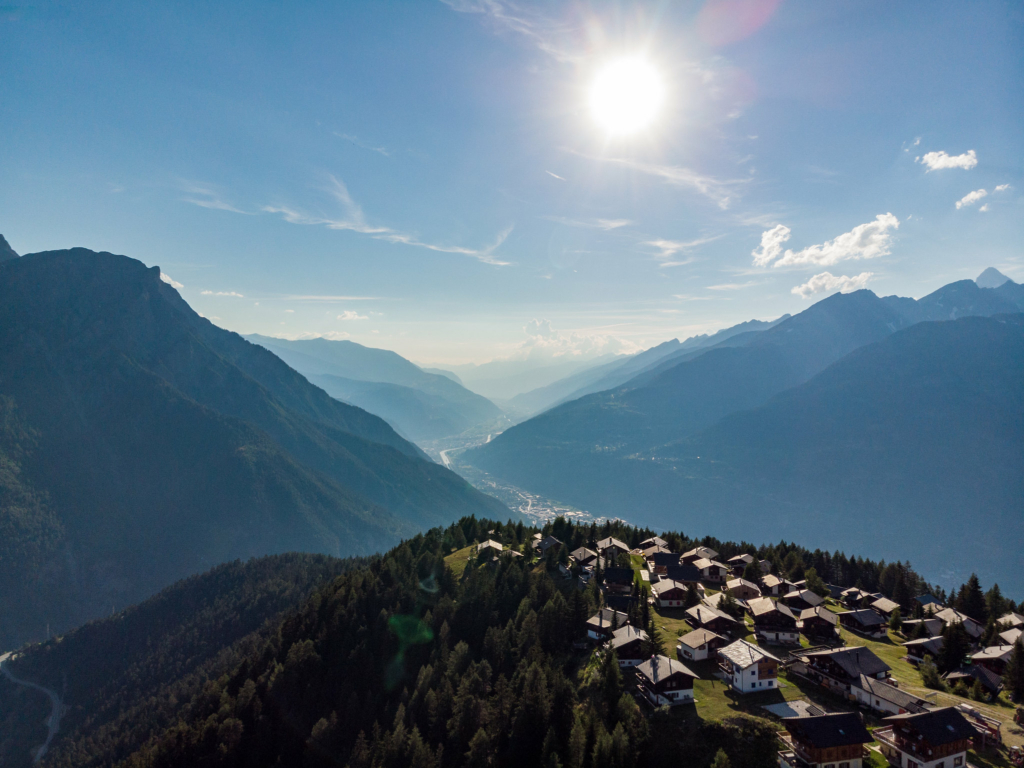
x: 666, y: 585
x: 885, y: 605
x: 811, y: 598
x: 931, y: 644
x: 625, y: 635
x: 865, y: 616
x: 993, y: 653
x: 655, y: 540
x: 603, y: 618
x: 743, y: 654
x: 761, y: 606
x: 658, y: 668
x: 882, y: 690
x: 854, y: 661
x: 612, y: 542
x: 821, y: 612
x: 702, y: 614
x: 741, y: 559
x: 1011, y: 635
x: 698, y: 637
x: 939, y: 726
x: 827, y: 731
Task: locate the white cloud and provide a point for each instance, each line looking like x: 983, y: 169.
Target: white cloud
x: 826, y: 281
x: 349, y: 314
x: 544, y: 33
x: 605, y: 224
x: 983, y: 209
x: 771, y: 245
x: 971, y: 198
x: 732, y: 286
x: 667, y: 249
x: 223, y: 293
x: 937, y: 161
x: 1002, y: 188
x: 297, y: 297
x: 330, y: 335
x: 865, y: 241
x: 171, y: 281
x: 554, y: 175
x: 205, y: 196
x: 544, y: 342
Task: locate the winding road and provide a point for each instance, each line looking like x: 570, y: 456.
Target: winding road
x: 56, y: 710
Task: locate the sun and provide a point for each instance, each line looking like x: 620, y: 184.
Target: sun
x: 626, y: 95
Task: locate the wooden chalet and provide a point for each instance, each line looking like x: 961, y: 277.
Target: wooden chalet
x: 748, y: 667
x: 776, y: 586
x: 699, y: 645
x: 932, y: 627
x: 1010, y: 636
x: 865, y: 622
x: 711, y: 570
x: 583, y: 557
x: 853, y: 597
x: 819, y: 623
x: 603, y: 624
x: 665, y: 681
x: 1010, y: 620
x: 825, y: 740
x: 629, y: 644
x: 489, y: 545
x: 839, y: 670
x: 989, y: 680
x: 618, y: 581
x: 884, y: 697
x: 669, y: 594
x: 885, y: 606
x: 739, y: 563
x: 706, y: 617
x: 742, y: 589
x: 953, y: 616
x: 697, y: 553
x: 927, y: 599
x: 917, y: 650
x: 687, y: 574
x: 546, y: 543
x: 654, y: 541
x: 649, y: 552
x: 660, y: 562
x: 926, y: 739
x: 774, y: 622
x: 611, y: 548
x: 802, y: 599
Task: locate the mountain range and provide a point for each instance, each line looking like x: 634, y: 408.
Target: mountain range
x: 140, y: 443
x: 419, y: 404
x: 632, y: 451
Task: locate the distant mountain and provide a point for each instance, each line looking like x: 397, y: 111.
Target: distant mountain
x: 419, y: 404
x: 964, y: 298
x: 6, y: 252
x: 446, y: 374
x: 139, y: 443
x: 502, y: 380
x: 991, y: 278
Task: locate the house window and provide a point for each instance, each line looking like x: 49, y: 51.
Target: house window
x: 941, y: 765
x: 844, y: 765
x: 958, y: 761
x: 770, y: 682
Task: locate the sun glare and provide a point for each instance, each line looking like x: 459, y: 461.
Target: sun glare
x: 626, y: 95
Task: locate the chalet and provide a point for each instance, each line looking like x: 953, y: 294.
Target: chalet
x: 654, y: 541
x: 686, y: 574
x: 739, y: 563
x: 853, y: 597
x: 927, y: 599
x: 953, y: 616
x: 649, y: 552
x: 583, y: 557
x: 660, y: 562
x: 774, y: 622
x: 994, y: 657
x: 618, y: 581
x: 699, y: 645
x: 865, y: 622
x: 603, y: 624
x: 839, y: 670
x: 611, y: 548
x: 748, y: 667
x: 823, y: 741
x: 706, y: 617
x: 884, y: 697
x: 710, y: 570
x: 669, y: 594
x: 765, y: 566
x: 940, y: 737
x: 917, y: 650
x: 489, y: 545
x: 1011, y: 636
x: 742, y: 589
x: 622, y: 603
x: 715, y: 600
x: 630, y: 645
x: 548, y: 542
x: 698, y: 553
x: 819, y: 623
x: 665, y: 681
x: 932, y: 627
x: 989, y: 680
x: 802, y: 599
x: 776, y: 586
x: 885, y: 606
x: 1011, y: 620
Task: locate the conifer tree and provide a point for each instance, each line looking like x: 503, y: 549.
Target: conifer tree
x: 972, y: 601
x: 1013, y: 679
x: 721, y: 760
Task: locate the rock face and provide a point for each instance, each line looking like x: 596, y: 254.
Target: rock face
x: 991, y: 278
x: 6, y: 252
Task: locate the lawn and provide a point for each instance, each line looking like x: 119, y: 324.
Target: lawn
x: 458, y: 560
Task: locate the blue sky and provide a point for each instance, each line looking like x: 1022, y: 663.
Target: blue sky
x: 428, y: 177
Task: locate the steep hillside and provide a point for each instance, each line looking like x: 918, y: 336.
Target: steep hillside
x: 144, y: 443
x: 119, y: 678
x: 421, y: 405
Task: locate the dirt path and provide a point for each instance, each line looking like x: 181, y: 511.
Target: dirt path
x: 56, y: 708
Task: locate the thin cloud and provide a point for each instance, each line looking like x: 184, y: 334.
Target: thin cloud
x: 232, y: 294
x: 983, y: 209
x: 719, y: 191
x: 330, y: 336
x: 971, y: 198
x: 206, y: 196
x: 605, y: 224
x: 733, y: 286
x: 171, y: 281
x: 1003, y: 187
x: 298, y: 297
x: 865, y: 241
x: 362, y: 144
x: 350, y: 314
x: 667, y: 249
x: 937, y: 161
x: 542, y: 32
x: 554, y: 175
x: 826, y: 281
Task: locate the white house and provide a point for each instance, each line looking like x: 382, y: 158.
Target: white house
x: 748, y: 668
x: 699, y: 645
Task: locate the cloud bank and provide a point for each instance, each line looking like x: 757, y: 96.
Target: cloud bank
x: 865, y: 241
x: 544, y: 342
x: 826, y: 281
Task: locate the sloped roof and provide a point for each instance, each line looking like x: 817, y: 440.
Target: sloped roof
x: 885, y: 605
x: 618, y: 575
x: 582, y: 554
x: 811, y: 598
x: 762, y: 606
x: 821, y: 612
x: 953, y: 616
x: 625, y: 635
x: 733, y: 583
x: 603, y: 618
x: 665, y: 585
x: 931, y: 644
x: 854, y: 661
x: 1011, y: 635
x: 612, y: 542
x: 490, y: 543
x: 1011, y: 619
x: 939, y: 726
x: 744, y: 654
x: 654, y: 540
x: 705, y: 552
x: 993, y: 653
x: 658, y: 668
x: 705, y: 613
x: 744, y: 558
x: 865, y: 616
x: 825, y: 731
x: 683, y: 572
x: 882, y: 690
x: 664, y: 558
x: 698, y: 637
